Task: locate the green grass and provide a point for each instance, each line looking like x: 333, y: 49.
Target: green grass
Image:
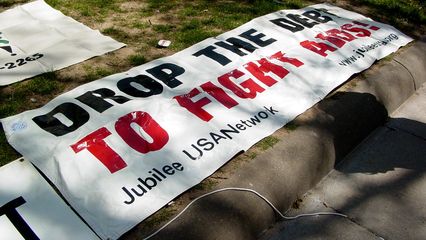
x: 161, y: 216
x: 95, y: 73
x: 140, y: 25
x: 267, y: 142
x: 251, y: 155
x: 137, y: 59
x: 43, y: 84
x: 8, y: 3
x: 161, y: 6
x: 163, y: 28
x: 198, y: 20
x: 18, y: 97
x: 96, y: 9
x: 291, y: 126
x: 206, y: 185
x: 117, y: 34
x: 7, y: 153
x: 412, y: 10
x: 405, y: 15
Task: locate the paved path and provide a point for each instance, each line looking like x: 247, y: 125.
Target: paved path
x: 380, y: 186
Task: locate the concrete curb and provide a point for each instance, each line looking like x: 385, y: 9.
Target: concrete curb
x: 326, y: 133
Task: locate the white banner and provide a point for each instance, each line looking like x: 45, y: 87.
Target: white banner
x: 35, y: 38
x: 30, y: 209
x: 122, y: 147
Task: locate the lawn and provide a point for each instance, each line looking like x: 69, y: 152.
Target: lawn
x: 141, y: 23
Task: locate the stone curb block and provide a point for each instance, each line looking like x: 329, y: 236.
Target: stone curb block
x: 414, y: 61
x: 326, y: 133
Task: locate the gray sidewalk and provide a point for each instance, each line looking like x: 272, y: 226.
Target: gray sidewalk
x: 380, y: 186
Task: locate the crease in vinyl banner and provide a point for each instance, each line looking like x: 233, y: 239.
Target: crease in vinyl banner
x: 122, y: 147
x: 35, y: 38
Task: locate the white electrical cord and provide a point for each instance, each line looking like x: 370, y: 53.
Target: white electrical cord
x: 244, y: 190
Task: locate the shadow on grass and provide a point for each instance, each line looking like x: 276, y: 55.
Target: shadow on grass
x: 7, y: 153
x: 408, y: 16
